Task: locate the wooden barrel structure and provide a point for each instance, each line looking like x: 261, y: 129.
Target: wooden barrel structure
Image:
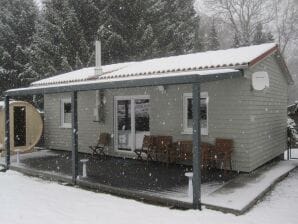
x: 26, y: 126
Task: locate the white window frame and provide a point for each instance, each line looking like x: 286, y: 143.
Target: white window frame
x: 188, y: 130
x: 133, y: 131
x: 63, y: 123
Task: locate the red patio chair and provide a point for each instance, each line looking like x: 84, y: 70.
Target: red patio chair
x: 164, y: 150
x: 222, y: 153
x: 147, y: 148
x: 185, y: 148
x: 102, y: 143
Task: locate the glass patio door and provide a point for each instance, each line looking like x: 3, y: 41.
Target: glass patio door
x: 132, y: 121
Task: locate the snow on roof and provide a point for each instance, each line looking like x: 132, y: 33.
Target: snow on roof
x: 221, y: 59
x: 79, y: 75
x: 192, y: 62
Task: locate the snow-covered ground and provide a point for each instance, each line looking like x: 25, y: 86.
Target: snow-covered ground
x: 29, y: 200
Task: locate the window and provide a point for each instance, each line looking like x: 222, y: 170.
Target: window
x: 142, y: 115
x: 187, y: 113
x: 66, y: 113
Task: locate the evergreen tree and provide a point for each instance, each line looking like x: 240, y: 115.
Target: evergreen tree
x: 128, y: 30
x: 59, y: 40
x: 125, y: 32
x: 260, y: 36
x: 174, y: 24
x: 79, y: 63
x: 213, y: 43
x: 198, y: 38
x: 146, y: 42
x: 236, y: 41
x: 65, y: 66
x: 270, y: 37
x: 136, y: 29
x: 91, y: 60
x: 17, y: 26
x: 89, y: 17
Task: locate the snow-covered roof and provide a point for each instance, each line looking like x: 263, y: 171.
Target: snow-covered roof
x: 80, y: 75
x: 234, y: 58
x: 192, y: 62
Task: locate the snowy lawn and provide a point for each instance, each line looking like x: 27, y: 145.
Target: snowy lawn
x: 30, y: 200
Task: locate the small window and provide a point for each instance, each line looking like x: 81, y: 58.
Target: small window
x: 66, y: 113
x: 188, y: 116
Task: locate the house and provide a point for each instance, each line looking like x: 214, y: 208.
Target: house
x: 244, y: 97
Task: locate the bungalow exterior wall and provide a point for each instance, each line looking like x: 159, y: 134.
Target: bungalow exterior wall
x: 255, y: 120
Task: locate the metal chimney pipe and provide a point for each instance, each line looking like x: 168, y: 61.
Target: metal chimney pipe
x: 98, y: 68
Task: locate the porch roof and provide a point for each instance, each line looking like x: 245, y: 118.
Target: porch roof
x: 129, y: 82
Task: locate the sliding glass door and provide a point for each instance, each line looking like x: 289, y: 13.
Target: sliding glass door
x: 132, y: 121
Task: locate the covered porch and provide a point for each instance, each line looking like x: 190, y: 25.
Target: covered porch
x: 152, y: 182
x: 131, y: 178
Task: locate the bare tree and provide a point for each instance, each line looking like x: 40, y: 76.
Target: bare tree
x: 285, y: 22
x: 243, y: 16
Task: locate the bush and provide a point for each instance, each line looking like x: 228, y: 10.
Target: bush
x: 291, y: 131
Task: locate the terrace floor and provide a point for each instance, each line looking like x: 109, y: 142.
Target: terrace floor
x: 135, y: 175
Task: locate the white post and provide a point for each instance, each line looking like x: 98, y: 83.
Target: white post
x: 84, y: 161
x: 18, y: 155
x: 190, y: 188
x: 84, y: 170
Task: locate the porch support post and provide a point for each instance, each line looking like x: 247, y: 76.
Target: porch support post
x: 7, y: 131
x: 74, y: 125
x: 196, y: 146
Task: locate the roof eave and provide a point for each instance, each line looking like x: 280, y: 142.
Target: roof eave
x: 263, y: 56
x: 284, y: 67
x: 115, y: 84
x: 281, y: 62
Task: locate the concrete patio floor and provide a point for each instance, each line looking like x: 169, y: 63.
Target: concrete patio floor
x: 242, y: 193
